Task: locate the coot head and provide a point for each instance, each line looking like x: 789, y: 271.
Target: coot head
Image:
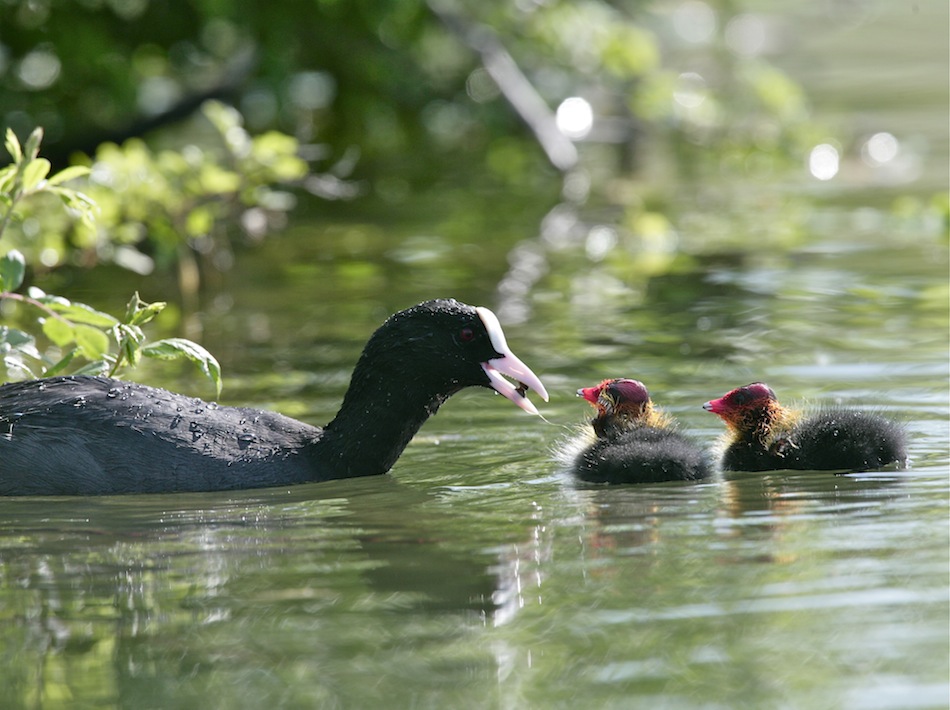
x: 751, y: 409
x: 622, y: 404
x: 440, y: 347
x: 741, y: 399
x: 617, y: 396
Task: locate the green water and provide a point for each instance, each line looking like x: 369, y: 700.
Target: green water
x: 478, y: 574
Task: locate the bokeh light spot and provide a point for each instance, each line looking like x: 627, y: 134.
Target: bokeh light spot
x: 690, y: 90
x: 39, y: 69
x: 312, y: 90
x: 600, y: 241
x: 575, y: 118
x: 823, y: 161
x: 695, y: 22
x: 746, y: 35
x: 879, y: 149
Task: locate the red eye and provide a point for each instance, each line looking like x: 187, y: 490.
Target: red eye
x: 466, y: 335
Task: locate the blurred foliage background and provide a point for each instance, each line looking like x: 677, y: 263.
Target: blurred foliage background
x: 391, y: 80
x: 398, y: 96
x: 204, y: 123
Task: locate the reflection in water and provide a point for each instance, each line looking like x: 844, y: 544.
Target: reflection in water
x: 130, y: 595
x: 303, y: 594
x: 520, y: 571
x: 721, y: 588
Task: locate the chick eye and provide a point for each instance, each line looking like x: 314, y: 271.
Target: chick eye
x: 466, y: 335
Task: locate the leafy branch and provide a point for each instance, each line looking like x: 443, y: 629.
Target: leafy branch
x: 75, y: 329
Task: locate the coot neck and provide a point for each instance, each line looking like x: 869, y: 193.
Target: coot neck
x: 381, y: 412
x: 622, y: 420
x: 762, y: 425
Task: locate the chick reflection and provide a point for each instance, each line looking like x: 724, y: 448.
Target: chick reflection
x: 777, y: 505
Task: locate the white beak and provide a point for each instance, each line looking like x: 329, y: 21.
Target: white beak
x: 509, y: 365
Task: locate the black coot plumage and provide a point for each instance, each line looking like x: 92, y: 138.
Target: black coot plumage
x: 95, y: 435
x: 765, y: 436
x: 634, y: 442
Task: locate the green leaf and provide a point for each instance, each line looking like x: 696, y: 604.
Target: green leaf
x: 16, y: 346
x: 12, y: 144
x: 92, y: 342
x: 7, y: 178
x: 12, y: 269
x: 146, y: 314
x: 70, y: 173
x: 62, y: 364
x: 35, y: 172
x: 60, y: 331
x: 49, y: 299
x: 138, y: 312
x: 97, y: 367
x: 84, y: 206
x: 15, y: 365
x: 131, y: 352
x: 81, y: 313
x: 15, y: 338
x: 33, y: 144
x: 222, y: 117
x: 175, y: 348
x: 129, y: 338
x: 72, y: 198
x: 126, y: 331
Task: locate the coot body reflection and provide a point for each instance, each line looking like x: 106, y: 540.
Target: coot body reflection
x: 765, y: 436
x: 94, y: 435
x: 635, y: 443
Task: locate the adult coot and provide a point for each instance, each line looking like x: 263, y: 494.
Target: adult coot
x: 95, y: 435
x: 765, y: 436
x: 634, y: 442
